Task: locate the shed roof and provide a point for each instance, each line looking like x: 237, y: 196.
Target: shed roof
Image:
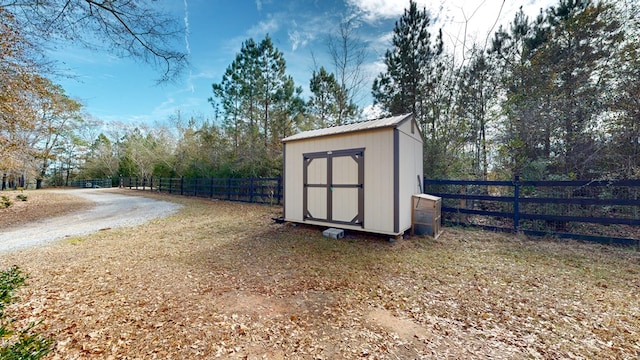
x: 391, y: 122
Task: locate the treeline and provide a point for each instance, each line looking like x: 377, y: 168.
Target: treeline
x: 550, y: 97
x: 42, y: 129
x: 555, y: 96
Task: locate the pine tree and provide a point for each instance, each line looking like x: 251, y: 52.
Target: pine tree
x: 323, y: 104
x: 259, y: 104
x: 478, y: 92
x: 411, y: 64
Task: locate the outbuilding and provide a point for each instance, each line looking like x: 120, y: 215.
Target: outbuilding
x: 358, y: 176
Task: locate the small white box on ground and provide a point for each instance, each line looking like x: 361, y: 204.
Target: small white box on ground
x: 333, y: 233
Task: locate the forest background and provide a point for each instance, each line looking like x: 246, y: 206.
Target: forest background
x: 556, y: 96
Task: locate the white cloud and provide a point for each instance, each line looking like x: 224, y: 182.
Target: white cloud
x: 379, y: 43
x: 295, y: 38
x: 301, y: 38
x: 186, y: 28
x: 374, y: 68
x: 467, y: 22
x: 260, y: 4
x: 371, y: 112
x: 374, y: 10
x: 464, y: 22
x: 258, y: 31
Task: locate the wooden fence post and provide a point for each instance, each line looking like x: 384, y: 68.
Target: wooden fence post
x: 251, y: 189
x: 228, y: 188
x: 516, y: 203
x: 181, y: 185
x: 195, y: 187
x: 170, y: 182
x: 211, y: 189
x: 279, y: 190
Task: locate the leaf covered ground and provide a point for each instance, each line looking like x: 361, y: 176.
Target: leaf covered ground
x: 221, y: 279
x: 38, y: 205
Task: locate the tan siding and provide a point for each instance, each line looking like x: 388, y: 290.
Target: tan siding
x: 378, y: 188
x: 409, y: 170
x: 293, y: 182
x: 378, y: 167
x: 410, y: 128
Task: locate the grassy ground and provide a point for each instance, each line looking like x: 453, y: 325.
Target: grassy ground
x: 221, y: 279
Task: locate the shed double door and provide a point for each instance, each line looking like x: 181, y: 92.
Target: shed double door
x: 334, y: 186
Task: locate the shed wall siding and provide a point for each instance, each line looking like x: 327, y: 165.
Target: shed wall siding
x: 410, y: 167
x: 378, y: 175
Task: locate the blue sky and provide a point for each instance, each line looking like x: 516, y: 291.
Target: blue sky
x: 123, y: 90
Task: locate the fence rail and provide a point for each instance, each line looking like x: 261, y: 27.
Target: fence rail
x: 600, y: 211
x: 91, y: 183
x: 254, y: 190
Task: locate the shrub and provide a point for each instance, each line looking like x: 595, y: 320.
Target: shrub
x: 5, y: 202
x: 17, y: 344
x: 21, y: 197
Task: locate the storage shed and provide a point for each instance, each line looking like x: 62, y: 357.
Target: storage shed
x: 359, y: 176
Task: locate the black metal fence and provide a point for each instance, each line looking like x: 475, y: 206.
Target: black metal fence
x: 601, y: 211
x: 254, y: 190
x: 91, y: 183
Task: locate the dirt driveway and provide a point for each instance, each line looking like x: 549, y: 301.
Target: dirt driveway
x: 111, y: 210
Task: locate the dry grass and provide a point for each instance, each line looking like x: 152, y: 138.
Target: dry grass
x: 221, y: 279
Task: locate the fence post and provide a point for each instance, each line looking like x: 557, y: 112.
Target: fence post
x: 170, y: 181
x: 516, y: 203
x: 251, y: 189
x: 279, y: 191
x: 211, y: 189
x: 181, y: 185
x: 195, y: 187
x: 228, y: 188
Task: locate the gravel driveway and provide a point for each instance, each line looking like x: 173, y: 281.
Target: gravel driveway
x: 110, y: 211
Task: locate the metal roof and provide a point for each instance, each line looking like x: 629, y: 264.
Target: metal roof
x: 393, y: 121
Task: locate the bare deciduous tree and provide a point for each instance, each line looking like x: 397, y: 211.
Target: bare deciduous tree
x: 348, y: 54
x: 129, y: 28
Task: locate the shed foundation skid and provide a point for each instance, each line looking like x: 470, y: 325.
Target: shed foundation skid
x: 333, y: 233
